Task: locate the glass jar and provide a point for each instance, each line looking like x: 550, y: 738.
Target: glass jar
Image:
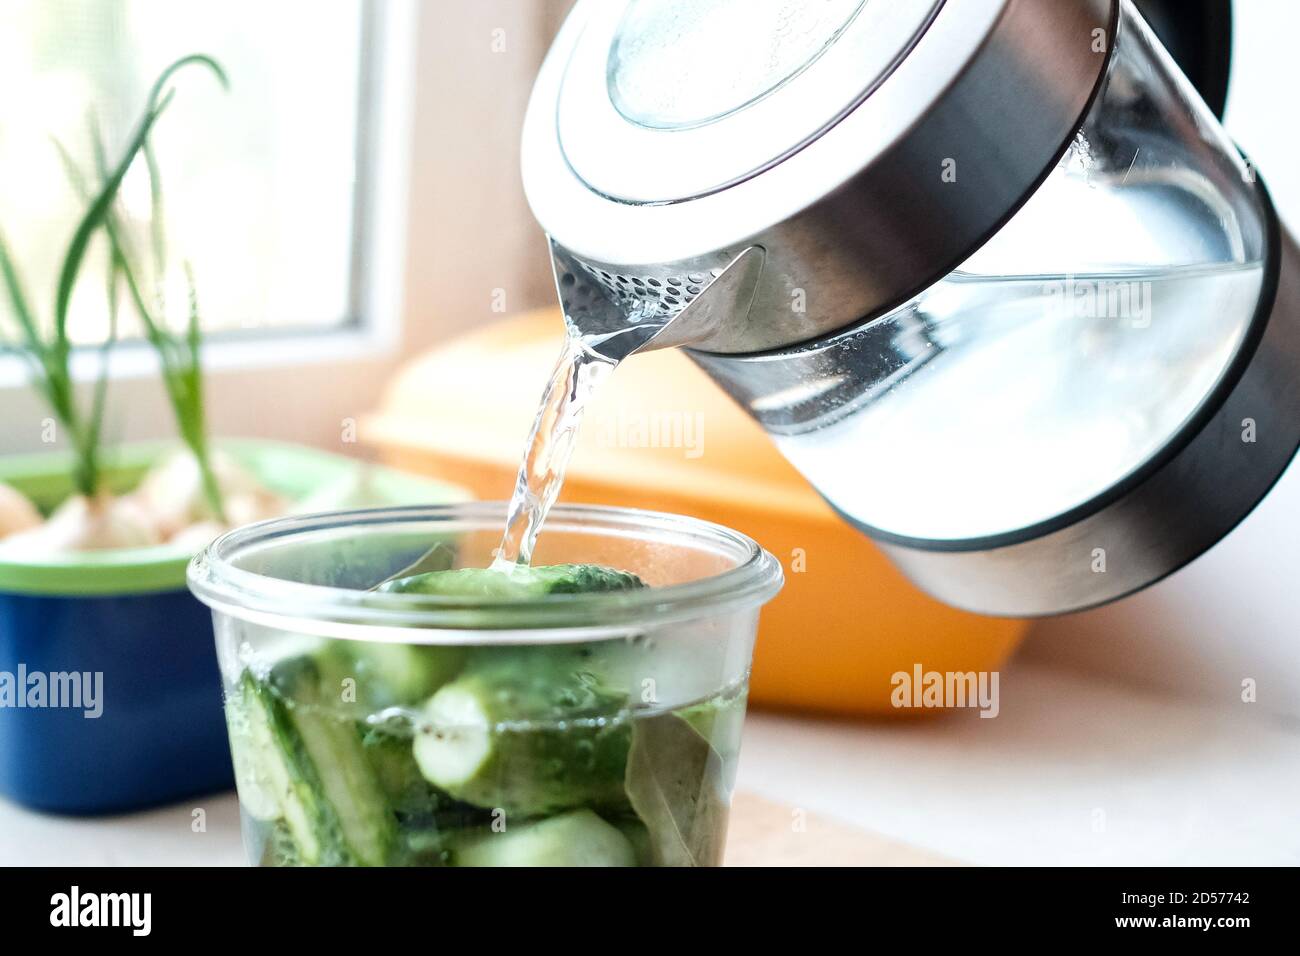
x: 381, y: 728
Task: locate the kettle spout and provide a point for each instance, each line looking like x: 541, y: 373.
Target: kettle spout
x: 616, y: 316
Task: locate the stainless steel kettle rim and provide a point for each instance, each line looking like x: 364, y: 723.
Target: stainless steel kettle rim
x: 885, y: 201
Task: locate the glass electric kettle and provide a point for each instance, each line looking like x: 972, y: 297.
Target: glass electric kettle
x: 989, y: 272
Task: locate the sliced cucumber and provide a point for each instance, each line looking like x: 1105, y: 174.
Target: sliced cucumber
x: 274, y: 751
x: 315, y: 768
x: 347, y: 784
x: 256, y: 778
x: 454, y: 746
x: 334, y: 749
x: 410, y: 795
x: 399, y: 674
x: 273, y: 845
x: 526, y: 733
x: 577, y: 838
x: 636, y: 834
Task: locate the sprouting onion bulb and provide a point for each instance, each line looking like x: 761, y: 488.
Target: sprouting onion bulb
x: 17, y: 513
x: 47, y: 351
x: 84, y: 524
x: 92, y: 519
x: 174, y: 493
x: 177, y: 351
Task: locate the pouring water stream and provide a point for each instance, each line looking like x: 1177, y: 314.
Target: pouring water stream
x: 600, y: 331
x: 578, y: 373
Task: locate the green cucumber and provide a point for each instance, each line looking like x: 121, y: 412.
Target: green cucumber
x: 346, y: 779
x: 274, y: 845
x: 397, y: 674
x: 257, y: 778
x: 636, y: 834
x: 518, y: 584
x: 328, y: 795
x: 410, y: 795
x: 526, y: 731
x: 577, y: 838
x: 274, y: 750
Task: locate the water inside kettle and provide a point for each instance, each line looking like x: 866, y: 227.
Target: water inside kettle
x: 992, y: 403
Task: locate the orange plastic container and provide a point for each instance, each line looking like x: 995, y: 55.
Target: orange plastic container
x: 660, y: 435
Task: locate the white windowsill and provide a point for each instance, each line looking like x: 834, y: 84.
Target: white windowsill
x: 136, y: 360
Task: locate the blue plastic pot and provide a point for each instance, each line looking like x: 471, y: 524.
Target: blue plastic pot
x: 126, y: 615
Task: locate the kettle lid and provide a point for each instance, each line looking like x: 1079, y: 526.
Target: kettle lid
x: 898, y: 134
x: 668, y: 100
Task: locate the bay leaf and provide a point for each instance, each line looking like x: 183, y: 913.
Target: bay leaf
x: 674, y: 783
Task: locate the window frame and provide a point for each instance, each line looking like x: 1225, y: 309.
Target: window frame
x: 438, y: 74
x: 338, y: 363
